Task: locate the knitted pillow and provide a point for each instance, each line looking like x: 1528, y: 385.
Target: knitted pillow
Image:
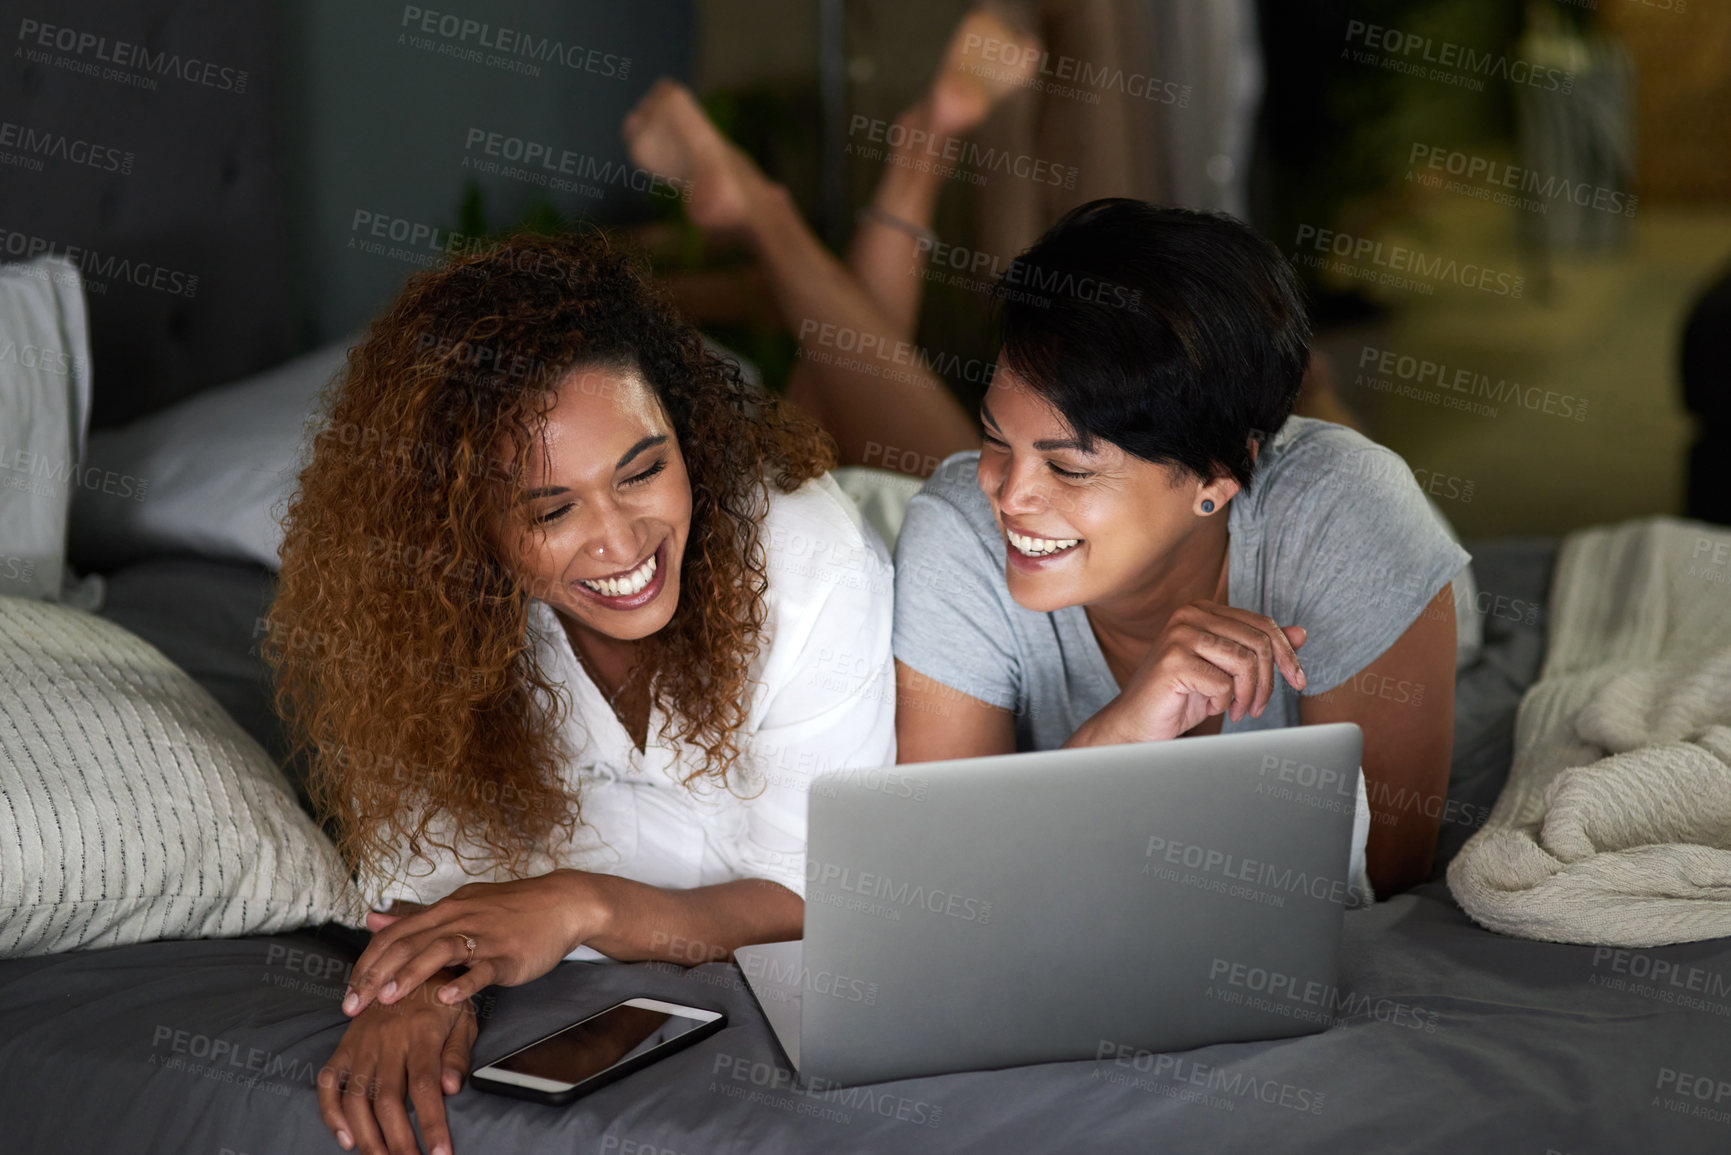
x: 132, y: 808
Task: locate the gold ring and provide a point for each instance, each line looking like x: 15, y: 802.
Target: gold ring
x: 471, y: 944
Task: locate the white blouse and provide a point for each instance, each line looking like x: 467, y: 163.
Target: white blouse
x: 822, y: 696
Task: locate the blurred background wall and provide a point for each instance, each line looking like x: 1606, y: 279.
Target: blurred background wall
x: 379, y: 116
x: 1423, y: 162
x: 1614, y: 117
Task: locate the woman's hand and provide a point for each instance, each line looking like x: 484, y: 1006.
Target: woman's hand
x: 419, y: 1048
x: 1211, y: 658
x: 521, y: 930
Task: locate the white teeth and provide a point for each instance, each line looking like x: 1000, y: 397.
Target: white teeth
x: 1039, y: 546
x: 624, y: 587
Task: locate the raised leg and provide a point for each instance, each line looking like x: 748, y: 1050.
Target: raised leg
x: 858, y: 373
x: 987, y: 59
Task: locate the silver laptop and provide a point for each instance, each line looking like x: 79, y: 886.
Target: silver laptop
x: 1070, y: 904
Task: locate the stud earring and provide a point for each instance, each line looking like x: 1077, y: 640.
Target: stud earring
x: 1207, y: 506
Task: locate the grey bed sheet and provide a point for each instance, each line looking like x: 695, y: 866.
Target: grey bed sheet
x: 1448, y: 1039
x: 1445, y: 1037
x: 1513, y: 578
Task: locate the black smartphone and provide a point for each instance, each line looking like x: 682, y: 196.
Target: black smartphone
x: 598, y: 1050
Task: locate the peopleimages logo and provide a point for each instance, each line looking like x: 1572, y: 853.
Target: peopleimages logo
x: 1392, y: 260
x: 561, y: 169
x: 1294, y: 996
x: 1695, y: 1091
x: 846, y: 342
x: 42, y: 475
x: 1487, y: 176
x: 1380, y: 368
x: 768, y: 1084
x: 1445, y: 60
x: 777, y: 977
x: 55, y: 361
x: 950, y: 156
x: 512, y: 49
x: 16, y: 569
x: 1234, y: 868
x: 1180, y: 1069
x: 35, y: 145
x: 1666, y: 980
x: 129, y: 63
x: 1066, y: 76
x: 99, y: 269
x: 833, y: 877
x: 225, y: 1061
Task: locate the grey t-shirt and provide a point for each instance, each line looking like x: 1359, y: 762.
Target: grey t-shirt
x: 1333, y: 535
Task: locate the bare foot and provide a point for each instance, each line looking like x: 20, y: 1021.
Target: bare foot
x: 987, y: 59
x: 668, y: 133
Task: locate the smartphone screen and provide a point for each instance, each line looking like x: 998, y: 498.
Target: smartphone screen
x: 584, y: 1050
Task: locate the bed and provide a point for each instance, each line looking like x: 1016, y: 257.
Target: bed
x: 1446, y: 1036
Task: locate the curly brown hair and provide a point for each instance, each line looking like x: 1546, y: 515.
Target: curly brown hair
x: 403, y: 669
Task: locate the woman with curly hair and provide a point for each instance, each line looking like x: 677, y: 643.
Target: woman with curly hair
x: 568, y: 616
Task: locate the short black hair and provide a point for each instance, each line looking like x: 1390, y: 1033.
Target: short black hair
x: 1176, y: 335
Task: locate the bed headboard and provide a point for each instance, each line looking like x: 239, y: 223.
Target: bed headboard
x: 202, y: 160
x: 151, y: 171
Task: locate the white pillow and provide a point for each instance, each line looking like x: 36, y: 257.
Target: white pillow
x: 219, y: 468
x: 132, y: 808
x: 882, y: 496
x: 44, y: 411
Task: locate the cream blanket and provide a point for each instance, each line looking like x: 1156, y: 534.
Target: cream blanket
x: 1615, y: 825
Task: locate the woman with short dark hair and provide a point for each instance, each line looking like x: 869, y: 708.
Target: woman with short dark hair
x: 1147, y: 539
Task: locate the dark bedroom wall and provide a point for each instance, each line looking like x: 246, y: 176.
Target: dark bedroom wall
x: 378, y: 113
x: 235, y: 140
x: 174, y: 212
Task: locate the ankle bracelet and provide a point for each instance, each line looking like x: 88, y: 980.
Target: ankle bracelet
x: 918, y: 232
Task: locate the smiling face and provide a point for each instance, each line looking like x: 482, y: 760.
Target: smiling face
x: 608, y: 507
x: 1082, y: 528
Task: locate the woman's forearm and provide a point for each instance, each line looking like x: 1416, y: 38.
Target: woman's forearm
x: 1107, y: 727
x: 638, y: 921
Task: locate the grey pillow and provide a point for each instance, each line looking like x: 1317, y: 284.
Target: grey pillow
x: 220, y: 467
x: 44, y: 410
